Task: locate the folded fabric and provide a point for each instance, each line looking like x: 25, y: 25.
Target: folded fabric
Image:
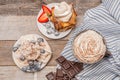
x: 104, y: 19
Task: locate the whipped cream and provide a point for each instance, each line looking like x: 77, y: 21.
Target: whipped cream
x: 89, y: 47
x: 63, y: 11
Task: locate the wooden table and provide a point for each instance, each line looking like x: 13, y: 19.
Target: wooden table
x: 17, y: 18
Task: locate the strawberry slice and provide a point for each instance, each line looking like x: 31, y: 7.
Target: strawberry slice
x: 46, y: 10
x: 43, y: 18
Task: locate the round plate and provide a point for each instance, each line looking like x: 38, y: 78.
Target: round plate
x: 48, y: 30
x: 31, y: 53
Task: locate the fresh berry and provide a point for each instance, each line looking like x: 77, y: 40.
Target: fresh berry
x: 43, y: 18
x: 46, y: 10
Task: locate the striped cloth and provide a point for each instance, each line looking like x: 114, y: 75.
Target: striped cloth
x: 105, y: 19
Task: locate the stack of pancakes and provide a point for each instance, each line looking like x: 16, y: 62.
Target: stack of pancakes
x: 59, y: 21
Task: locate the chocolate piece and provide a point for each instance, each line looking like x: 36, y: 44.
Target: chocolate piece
x: 66, y: 65
x: 50, y: 76
x: 73, y: 79
x: 71, y: 72
x: 66, y: 77
x: 58, y: 75
x: 68, y: 70
x: 60, y: 59
x: 78, y: 67
x: 69, y: 67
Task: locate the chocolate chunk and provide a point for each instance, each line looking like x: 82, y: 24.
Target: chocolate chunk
x: 77, y: 67
x: 50, y: 76
x: 60, y: 59
x: 72, y: 62
x: 59, y: 73
x: 68, y: 71
x: 66, y: 77
x: 66, y: 65
x: 71, y: 73
x: 73, y: 79
x: 69, y: 67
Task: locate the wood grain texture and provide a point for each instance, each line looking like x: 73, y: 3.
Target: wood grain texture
x: 6, y: 51
x: 41, y: 74
x: 15, y: 26
x: 14, y: 73
x: 12, y: 27
x: 17, y: 18
x: 3, y: 2
x: 32, y: 7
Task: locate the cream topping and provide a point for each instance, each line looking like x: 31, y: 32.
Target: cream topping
x: 89, y: 47
x: 63, y: 11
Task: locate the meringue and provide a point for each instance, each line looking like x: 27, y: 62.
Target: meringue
x: 89, y: 47
x: 63, y: 11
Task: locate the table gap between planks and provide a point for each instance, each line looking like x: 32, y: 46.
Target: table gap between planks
x: 17, y: 18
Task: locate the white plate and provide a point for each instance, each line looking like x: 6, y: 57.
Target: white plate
x: 43, y: 29
x: 31, y: 37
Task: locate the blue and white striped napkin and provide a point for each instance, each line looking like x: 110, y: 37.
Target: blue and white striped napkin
x: 104, y: 19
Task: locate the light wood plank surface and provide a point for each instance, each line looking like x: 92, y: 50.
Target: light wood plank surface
x: 12, y: 27
x: 6, y: 51
x: 32, y: 7
x: 41, y: 74
x: 17, y: 18
x: 13, y: 73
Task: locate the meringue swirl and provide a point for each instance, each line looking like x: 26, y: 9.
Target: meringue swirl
x: 63, y: 11
x: 89, y: 47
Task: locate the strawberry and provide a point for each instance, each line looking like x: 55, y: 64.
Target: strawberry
x: 43, y: 18
x: 46, y: 10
